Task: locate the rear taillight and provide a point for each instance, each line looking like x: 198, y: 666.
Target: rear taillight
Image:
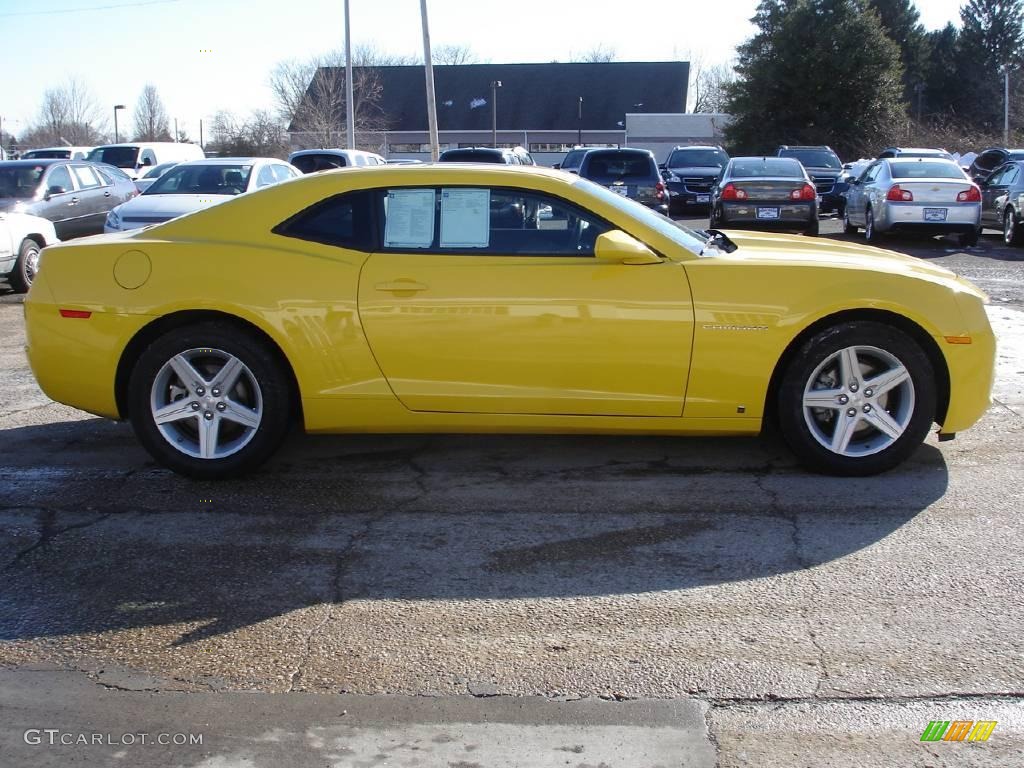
x: 806, y: 192
x: 731, y: 192
x: 899, y: 195
x: 971, y: 195
x: 659, y: 190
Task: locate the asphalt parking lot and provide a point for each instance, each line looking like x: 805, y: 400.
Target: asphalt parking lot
x: 701, y: 601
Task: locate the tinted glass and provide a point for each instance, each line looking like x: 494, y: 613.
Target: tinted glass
x: 59, y: 177
x: 697, y: 158
x: 813, y: 158
x: 122, y: 157
x: 314, y: 163
x: 605, y: 167
x: 158, y: 170
x: 345, y: 221
x: 754, y: 167
x: 574, y: 158
x: 47, y: 154
x: 471, y: 156
x: 20, y: 181
x: 202, y: 180
x: 924, y: 169
x: 113, y: 175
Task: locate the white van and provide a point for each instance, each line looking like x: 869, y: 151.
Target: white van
x: 57, y: 153
x: 137, y: 157
x: 313, y: 160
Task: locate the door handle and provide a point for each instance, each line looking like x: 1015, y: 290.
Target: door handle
x: 400, y: 285
x: 107, y: 193
x: 74, y: 201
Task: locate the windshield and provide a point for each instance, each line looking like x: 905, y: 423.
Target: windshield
x: 697, y: 158
x: 20, y: 181
x: 923, y: 169
x: 683, y: 236
x: 47, y: 154
x: 813, y: 158
x: 755, y: 167
x: 202, y: 180
x: 157, y: 170
x: 122, y: 157
x: 605, y: 167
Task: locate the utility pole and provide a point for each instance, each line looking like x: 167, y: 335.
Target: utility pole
x: 1006, y: 105
x: 429, y: 67
x: 350, y: 117
x: 116, y: 108
x: 176, y: 130
x: 201, y: 134
x: 579, y: 122
x: 495, y: 85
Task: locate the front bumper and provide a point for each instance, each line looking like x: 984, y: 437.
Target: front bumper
x: 684, y: 197
x: 971, y: 368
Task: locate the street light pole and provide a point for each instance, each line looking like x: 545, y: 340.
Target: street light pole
x: 579, y: 122
x: 495, y: 85
x: 350, y: 117
x: 1006, y: 105
x: 429, y: 69
x: 117, y: 139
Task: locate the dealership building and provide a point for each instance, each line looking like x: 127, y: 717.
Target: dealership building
x: 546, y: 108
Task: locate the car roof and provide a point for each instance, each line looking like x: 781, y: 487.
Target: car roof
x: 39, y: 161
x: 805, y: 146
x: 916, y: 149
x: 697, y: 146
x: 232, y: 161
x: 336, y: 152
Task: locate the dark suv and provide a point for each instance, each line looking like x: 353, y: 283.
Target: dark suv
x: 514, y: 156
x: 691, y: 173
x: 632, y: 173
x: 825, y: 170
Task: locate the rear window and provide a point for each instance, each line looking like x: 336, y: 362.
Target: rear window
x: 697, y: 158
x: 611, y: 166
x: 47, y: 154
x: 753, y: 167
x: 925, y: 169
x: 470, y: 156
x: 20, y: 181
x: 813, y: 158
x: 314, y: 163
x: 122, y: 157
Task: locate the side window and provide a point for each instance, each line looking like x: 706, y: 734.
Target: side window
x: 87, y: 178
x: 283, y: 172
x: 344, y: 220
x: 266, y: 177
x: 1012, y: 174
x: 59, y: 177
x: 871, y: 173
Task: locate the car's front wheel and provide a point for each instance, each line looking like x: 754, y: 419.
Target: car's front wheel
x: 1011, y: 230
x: 856, y: 399
x: 209, y: 400
x: 26, y: 266
x: 871, y: 234
x: 848, y: 227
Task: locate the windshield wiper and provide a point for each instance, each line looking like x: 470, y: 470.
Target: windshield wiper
x: 719, y: 240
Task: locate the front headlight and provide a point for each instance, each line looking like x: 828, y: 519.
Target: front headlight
x: 113, y: 219
x: 673, y: 177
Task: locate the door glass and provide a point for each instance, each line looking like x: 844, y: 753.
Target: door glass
x: 266, y: 177
x: 59, y: 177
x: 87, y: 178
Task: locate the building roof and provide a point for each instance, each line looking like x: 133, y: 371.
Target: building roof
x: 532, y: 96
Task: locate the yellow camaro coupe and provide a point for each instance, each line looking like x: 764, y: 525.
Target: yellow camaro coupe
x: 498, y: 299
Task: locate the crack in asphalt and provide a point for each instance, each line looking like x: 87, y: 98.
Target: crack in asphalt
x: 724, y: 702
x: 1001, y: 404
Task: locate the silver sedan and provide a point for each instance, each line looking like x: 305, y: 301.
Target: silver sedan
x: 927, y: 195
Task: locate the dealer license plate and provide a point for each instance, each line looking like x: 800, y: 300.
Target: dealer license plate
x: 703, y: 198
x: 767, y: 213
x: 620, y: 191
x: 935, y: 214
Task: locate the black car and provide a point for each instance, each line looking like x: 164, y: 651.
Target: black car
x: 573, y: 158
x: 513, y: 156
x: 765, y: 193
x: 990, y: 159
x: 632, y: 173
x: 74, y: 194
x: 690, y: 173
x: 826, y: 172
x: 1001, y: 201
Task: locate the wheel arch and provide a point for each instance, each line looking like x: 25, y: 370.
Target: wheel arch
x: 916, y: 332
x: 36, y: 238
x: 162, y: 325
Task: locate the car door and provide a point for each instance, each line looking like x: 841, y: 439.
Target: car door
x: 994, y: 195
x: 62, y: 208
x: 467, y: 309
x: 94, y: 196
x: 865, y: 190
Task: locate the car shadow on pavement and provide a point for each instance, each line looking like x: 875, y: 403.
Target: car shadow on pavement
x: 94, y: 538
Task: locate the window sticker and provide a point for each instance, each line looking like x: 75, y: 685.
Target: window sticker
x: 465, y: 218
x: 409, y: 218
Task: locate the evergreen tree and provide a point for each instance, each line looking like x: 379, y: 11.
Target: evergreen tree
x: 816, y: 72
x: 992, y: 37
x: 902, y: 24
x: 941, y: 96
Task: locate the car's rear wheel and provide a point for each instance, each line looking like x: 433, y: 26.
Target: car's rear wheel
x: 209, y: 400
x: 871, y: 234
x: 813, y: 228
x: 26, y: 267
x: 848, y: 228
x: 1011, y: 230
x: 968, y: 239
x: 856, y: 399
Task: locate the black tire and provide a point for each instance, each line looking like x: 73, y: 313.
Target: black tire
x: 848, y: 228
x: 714, y: 219
x: 26, y: 266
x: 205, y: 343
x: 871, y: 234
x: 912, y: 403
x: 968, y: 239
x: 813, y: 229
x: 1012, y: 234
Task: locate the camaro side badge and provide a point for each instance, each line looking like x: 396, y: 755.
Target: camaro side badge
x: 717, y: 327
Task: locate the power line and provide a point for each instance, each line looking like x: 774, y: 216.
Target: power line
x: 91, y: 8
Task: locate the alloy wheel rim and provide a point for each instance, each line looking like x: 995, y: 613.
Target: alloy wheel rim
x: 858, y: 401
x: 31, y: 265
x: 1008, y: 226
x: 869, y: 225
x: 206, y: 403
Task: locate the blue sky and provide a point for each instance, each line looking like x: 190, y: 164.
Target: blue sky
x: 205, y: 55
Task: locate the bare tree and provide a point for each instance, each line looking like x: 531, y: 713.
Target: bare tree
x: 151, y: 121
x: 69, y: 115
x: 710, y: 87
x: 261, y: 134
x: 599, y: 54
x: 453, y: 54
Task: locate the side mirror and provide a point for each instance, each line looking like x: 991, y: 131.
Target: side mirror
x: 54, y: 190
x: 617, y: 247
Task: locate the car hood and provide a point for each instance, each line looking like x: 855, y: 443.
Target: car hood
x: 801, y: 250
x: 7, y: 203
x: 169, y: 205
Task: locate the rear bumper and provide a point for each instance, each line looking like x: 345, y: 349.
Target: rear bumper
x: 790, y: 215
x: 910, y: 217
